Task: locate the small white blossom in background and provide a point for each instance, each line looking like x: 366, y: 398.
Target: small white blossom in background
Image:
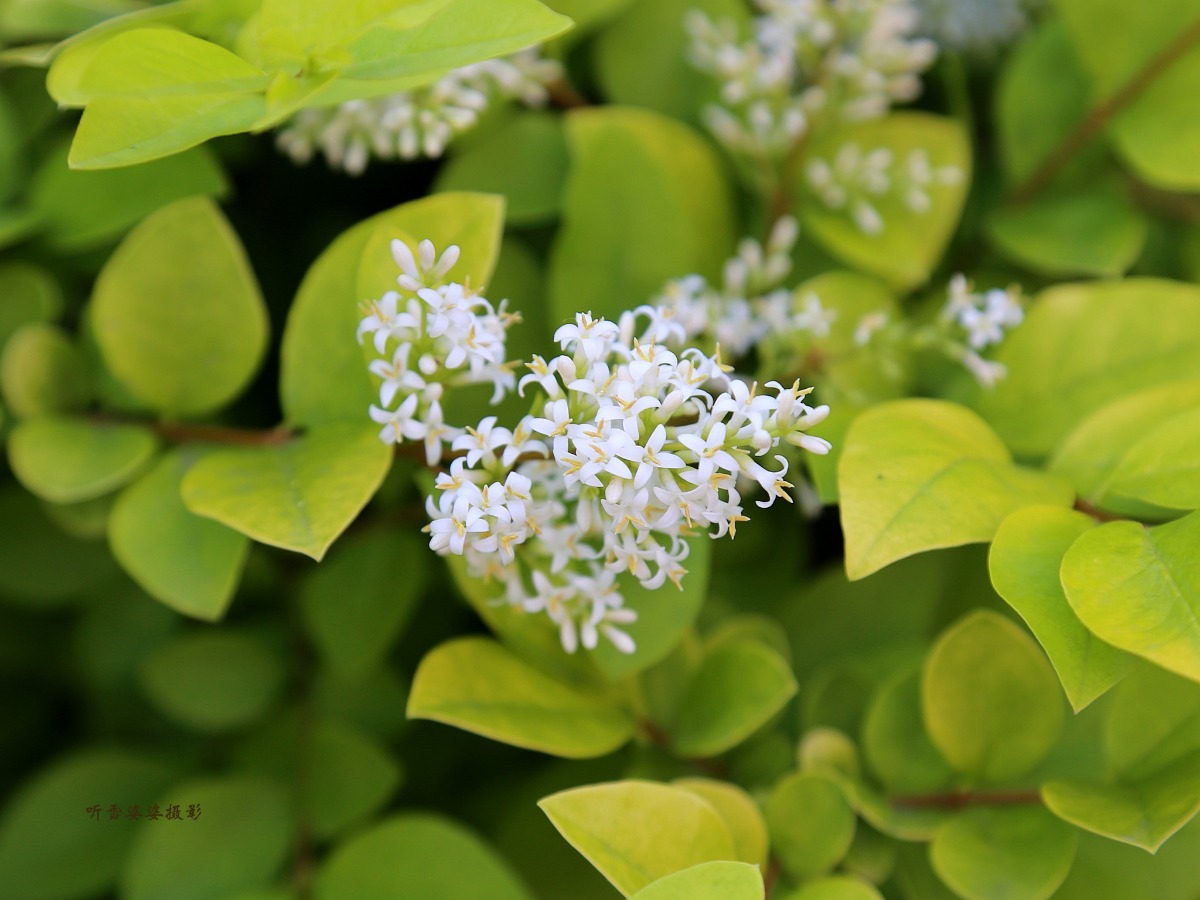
x: 855, y: 181
x: 636, y: 443
x: 430, y: 335
x: 749, y: 306
x: 837, y: 60
x: 420, y: 122
x: 978, y: 27
x: 983, y: 319
x: 968, y: 323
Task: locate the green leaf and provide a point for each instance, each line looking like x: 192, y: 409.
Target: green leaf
x: 1150, y: 742
x: 81, y: 209
x: 640, y: 58
x: 16, y: 224
x: 737, y: 689
x: 636, y: 832
x: 46, y: 826
x: 177, y: 314
x: 299, y: 495
x: 1138, y: 589
x: 645, y: 201
x: 347, y: 776
x: 708, y: 881
x: 825, y: 749
x: 32, y: 550
x: 476, y: 684
x: 30, y: 295
x: 1024, y: 563
x: 894, y: 740
x: 68, y: 460
x: 525, y: 160
x: 190, y: 563
x: 1041, y: 96
x: 992, y: 722
x: 459, y: 33
x: 239, y: 841
x: 42, y: 371
x: 1143, y: 812
x: 151, y: 92
x: 25, y: 20
x: 324, y: 376
x: 840, y: 887
x: 740, y: 813
x: 1094, y: 233
x: 1158, y: 130
x: 1081, y: 345
x: 283, y: 33
x: 811, y: 823
x: 1003, y: 853
x: 921, y: 474
x: 115, y: 632
x: 212, y: 681
x: 909, y: 245
x: 664, y: 616
x: 1092, y: 451
x: 358, y: 601
x: 1163, y: 467
x: 416, y: 855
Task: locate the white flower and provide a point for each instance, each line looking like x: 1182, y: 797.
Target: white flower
x: 420, y: 122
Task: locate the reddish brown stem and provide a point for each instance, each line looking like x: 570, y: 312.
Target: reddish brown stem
x: 956, y: 800
x: 564, y: 96
x: 1098, y: 118
x: 1098, y: 514
x: 178, y: 433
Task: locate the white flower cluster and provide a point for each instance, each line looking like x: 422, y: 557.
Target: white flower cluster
x: 750, y: 305
x: 846, y: 60
x: 983, y: 318
x: 635, y: 443
x: 631, y: 454
x: 431, y: 335
x: 856, y: 180
x: 416, y: 123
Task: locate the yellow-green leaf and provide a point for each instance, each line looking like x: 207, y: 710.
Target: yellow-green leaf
x: 921, y: 474
x: 476, y: 684
x: 636, y: 832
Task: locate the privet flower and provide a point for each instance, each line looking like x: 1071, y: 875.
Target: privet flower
x: 420, y: 122
x: 636, y: 443
x: 969, y: 323
x: 751, y: 303
x: 431, y: 335
x: 855, y: 180
x: 834, y: 60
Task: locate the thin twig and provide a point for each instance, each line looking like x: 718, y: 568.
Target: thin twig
x: 564, y: 96
x: 1096, y: 513
x: 1101, y: 114
x: 956, y: 800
